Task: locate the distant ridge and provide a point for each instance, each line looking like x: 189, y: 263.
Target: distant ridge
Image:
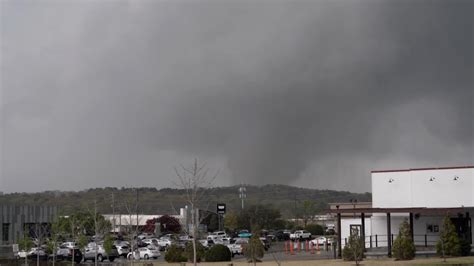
x: 167, y: 200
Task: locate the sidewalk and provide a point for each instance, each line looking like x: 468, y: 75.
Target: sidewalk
x: 420, y: 261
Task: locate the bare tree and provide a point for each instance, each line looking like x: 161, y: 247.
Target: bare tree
x: 101, y: 228
x: 131, y: 208
x: 196, y: 183
x: 40, y: 231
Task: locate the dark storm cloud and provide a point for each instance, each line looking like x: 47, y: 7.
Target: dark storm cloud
x: 307, y: 93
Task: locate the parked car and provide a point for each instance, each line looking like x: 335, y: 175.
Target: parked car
x: 150, y: 241
x: 144, y: 253
x: 207, y: 243
x: 244, y: 234
x: 123, y: 248
x: 69, y: 244
x: 92, y: 249
x: 32, y: 254
x: 222, y: 241
x: 164, y: 242
x: 237, y: 245
x: 185, y: 238
x: 145, y: 236
x: 321, y: 240
x: 282, y: 235
x: 217, y: 234
x: 300, y: 234
x: 67, y: 253
x: 265, y: 242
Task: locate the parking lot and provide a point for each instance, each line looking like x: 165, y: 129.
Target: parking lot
x: 277, y: 252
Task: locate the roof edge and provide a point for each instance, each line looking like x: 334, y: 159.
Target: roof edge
x: 423, y: 169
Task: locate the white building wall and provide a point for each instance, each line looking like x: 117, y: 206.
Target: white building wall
x: 379, y: 228
x: 430, y: 188
x: 413, y: 188
x: 444, y: 190
x: 391, y: 190
x: 346, y: 225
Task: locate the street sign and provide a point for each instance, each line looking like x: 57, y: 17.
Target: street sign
x: 220, y: 208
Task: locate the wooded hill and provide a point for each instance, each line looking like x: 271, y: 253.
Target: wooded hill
x: 289, y: 200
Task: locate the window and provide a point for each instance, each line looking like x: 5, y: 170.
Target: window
x: 5, y: 231
x: 432, y: 228
x: 355, y: 229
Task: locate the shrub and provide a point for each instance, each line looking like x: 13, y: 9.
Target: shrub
x: 465, y: 247
x: 25, y: 244
x: 200, y: 251
x: 315, y: 229
x: 403, y: 246
x: 175, y: 254
x: 354, y: 250
x: 218, y: 253
x: 448, y: 243
x: 254, y: 250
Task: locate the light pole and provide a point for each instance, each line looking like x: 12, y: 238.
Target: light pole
x: 354, y: 202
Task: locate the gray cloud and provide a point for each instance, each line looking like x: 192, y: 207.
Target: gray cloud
x: 304, y: 93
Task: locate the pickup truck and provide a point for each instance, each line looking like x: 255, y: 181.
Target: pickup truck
x: 300, y: 234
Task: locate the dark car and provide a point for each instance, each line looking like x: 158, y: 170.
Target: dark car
x: 67, y: 253
x: 282, y: 235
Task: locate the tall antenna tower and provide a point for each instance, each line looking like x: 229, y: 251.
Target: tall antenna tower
x: 242, y: 194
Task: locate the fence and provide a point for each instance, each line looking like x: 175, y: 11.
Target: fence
x: 375, y: 241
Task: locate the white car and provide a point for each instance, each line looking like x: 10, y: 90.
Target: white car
x: 300, y: 234
x: 236, y: 247
x: 33, y: 252
x: 150, y: 241
x: 144, y: 253
x: 218, y: 234
x: 321, y: 240
x: 123, y: 248
x: 164, y: 242
x: 144, y: 236
x: 207, y: 243
x: 69, y: 244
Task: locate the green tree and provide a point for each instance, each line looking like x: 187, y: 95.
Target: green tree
x: 189, y: 252
x: 258, y: 217
x: 231, y: 221
x: 59, y: 227
x: 82, y: 241
x: 25, y: 243
x: 315, y: 229
x: 308, y: 212
x: 108, y: 244
x: 449, y: 243
x: 354, y: 250
x: 218, y: 253
x: 403, y: 246
x: 254, y: 250
x: 174, y: 254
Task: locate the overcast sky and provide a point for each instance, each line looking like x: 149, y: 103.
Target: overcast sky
x: 307, y: 93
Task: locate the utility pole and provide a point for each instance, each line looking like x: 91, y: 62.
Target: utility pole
x: 113, y: 211
x: 296, y: 210
x: 136, y: 228
x: 95, y: 231
x: 242, y: 195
